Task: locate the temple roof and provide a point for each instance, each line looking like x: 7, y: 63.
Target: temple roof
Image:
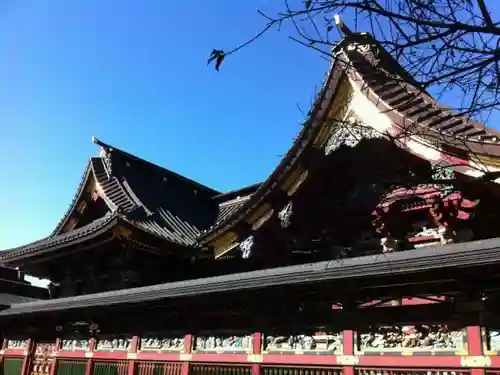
x: 185, y: 212
x: 139, y: 193
x: 407, y: 113
x: 425, y: 261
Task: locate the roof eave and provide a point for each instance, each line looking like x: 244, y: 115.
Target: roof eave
x: 311, y: 127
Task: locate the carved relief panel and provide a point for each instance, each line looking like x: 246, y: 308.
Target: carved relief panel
x: 223, y: 344
x: 43, y: 359
x: 161, y: 343
x: 418, y: 338
x: 75, y: 345
x: 315, y: 343
x: 17, y: 344
x: 113, y: 344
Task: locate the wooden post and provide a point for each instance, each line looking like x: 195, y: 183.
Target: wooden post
x: 53, y: 365
x: 27, y: 356
x: 348, y: 349
x: 256, y: 351
x: 4, y: 346
x: 133, y: 349
x: 188, y: 345
x: 88, y: 369
x: 475, y: 346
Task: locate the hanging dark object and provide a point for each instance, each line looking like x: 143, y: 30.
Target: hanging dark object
x: 217, y: 55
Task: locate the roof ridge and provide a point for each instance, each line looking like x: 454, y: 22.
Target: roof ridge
x: 108, y: 148
x: 243, y: 189
x: 76, y: 198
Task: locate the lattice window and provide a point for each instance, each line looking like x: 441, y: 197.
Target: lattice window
x: 70, y: 367
x: 158, y: 368
x: 202, y: 369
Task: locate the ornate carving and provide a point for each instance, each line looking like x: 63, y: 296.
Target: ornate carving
x: 319, y: 342
x: 75, y: 345
x: 442, y: 173
x: 370, y: 51
x: 246, y: 247
x: 295, y: 186
x: 285, y: 215
x: 43, y: 349
x: 411, y: 338
x: 161, y: 344
x: 386, y: 225
x: 121, y: 344
x: 223, y: 344
x: 389, y: 244
x: 42, y: 361
x: 440, y: 220
x: 17, y: 344
x: 262, y: 219
x: 445, y: 219
x: 349, y: 133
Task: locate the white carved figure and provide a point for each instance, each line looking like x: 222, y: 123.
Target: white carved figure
x: 285, y: 215
x: 17, y: 344
x: 115, y: 344
x: 446, y: 235
x: 157, y: 343
x: 75, y: 345
x: 228, y: 343
x: 246, y: 247
x: 389, y: 244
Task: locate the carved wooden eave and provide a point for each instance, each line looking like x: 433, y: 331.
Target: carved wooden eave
x: 388, y: 100
x: 87, y: 190
x: 356, y: 90
x: 113, y: 227
x: 290, y: 173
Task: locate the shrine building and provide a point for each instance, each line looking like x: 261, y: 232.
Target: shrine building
x: 373, y: 248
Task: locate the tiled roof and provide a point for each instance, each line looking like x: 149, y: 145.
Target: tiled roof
x: 10, y: 299
x: 422, y: 114
x: 150, y: 197
x: 228, y: 208
x: 52, y: 243
x: 477, y: 253
x: 154, y: 198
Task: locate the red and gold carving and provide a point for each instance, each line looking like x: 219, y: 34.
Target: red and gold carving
x: 43, y: 359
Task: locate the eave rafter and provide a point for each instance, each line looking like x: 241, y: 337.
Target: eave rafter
x: 275, y: 193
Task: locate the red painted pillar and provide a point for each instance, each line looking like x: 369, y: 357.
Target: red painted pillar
x: 475, y: 346
x: 188, y: 346
x: 88, y: 369
x: 54, y: 358
x: 4, y: 346
x: 133, y: 349
x: 256, y: 351
x: 27, y: 357
x: 348, y: 349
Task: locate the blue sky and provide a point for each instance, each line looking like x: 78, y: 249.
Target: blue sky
x: 134, y: 74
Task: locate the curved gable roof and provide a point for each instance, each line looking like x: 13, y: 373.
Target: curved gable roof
x: 459, y: 141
